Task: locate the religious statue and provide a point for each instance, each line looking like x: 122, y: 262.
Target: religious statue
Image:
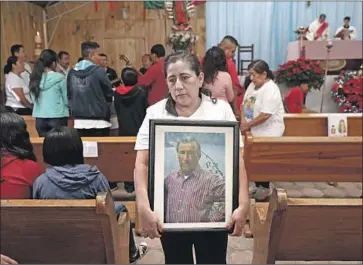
x: 181, y: 36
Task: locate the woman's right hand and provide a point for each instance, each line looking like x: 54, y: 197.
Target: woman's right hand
x: 150, y: 225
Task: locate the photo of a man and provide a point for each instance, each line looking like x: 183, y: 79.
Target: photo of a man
x: 194, y: 191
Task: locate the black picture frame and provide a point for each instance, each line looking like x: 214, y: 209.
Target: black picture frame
x: 233, y: 125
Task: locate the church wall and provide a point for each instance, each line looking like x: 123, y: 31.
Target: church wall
x: 19, y: 23
x: 129, y: 30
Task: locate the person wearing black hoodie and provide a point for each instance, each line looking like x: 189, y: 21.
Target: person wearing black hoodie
x: 70, y: 178
x: 130, y: 103
x: 90, y: 92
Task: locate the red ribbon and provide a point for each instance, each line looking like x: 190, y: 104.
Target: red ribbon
x: 112, y: 6
x: 96, y: 5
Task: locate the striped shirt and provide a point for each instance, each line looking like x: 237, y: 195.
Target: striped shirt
x: 198, y: 197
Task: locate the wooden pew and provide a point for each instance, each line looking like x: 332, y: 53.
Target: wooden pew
x: 313, y: 159
x: 307, y: 230
x: 317, y: 124
x: 64, y: 231
x: 316, y: 159
x: 116, y: 156
x: 116, y: 160
x: 31, y: 127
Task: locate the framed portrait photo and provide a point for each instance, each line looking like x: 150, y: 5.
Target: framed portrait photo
x: 193, y: 173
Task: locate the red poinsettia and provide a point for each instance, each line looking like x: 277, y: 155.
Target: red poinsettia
x: 347, y: 90
x: 291, y: 72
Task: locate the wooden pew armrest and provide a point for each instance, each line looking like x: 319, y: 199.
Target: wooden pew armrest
x: 123, y: 227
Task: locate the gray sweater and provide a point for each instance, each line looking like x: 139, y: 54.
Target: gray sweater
x: 70, y: 182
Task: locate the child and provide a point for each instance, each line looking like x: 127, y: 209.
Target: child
x: 294, y: 100
x: 70, y: 178
x: 130, y: 104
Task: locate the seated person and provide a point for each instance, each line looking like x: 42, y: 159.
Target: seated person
x: 294, y: 100
x: 130, y: 104
x: 19, y: 168
x: 70, y: 178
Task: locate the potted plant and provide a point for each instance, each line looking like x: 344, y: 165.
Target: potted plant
x: 292, y: 71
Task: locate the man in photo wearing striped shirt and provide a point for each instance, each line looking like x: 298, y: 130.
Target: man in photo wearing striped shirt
x: 192, y: 194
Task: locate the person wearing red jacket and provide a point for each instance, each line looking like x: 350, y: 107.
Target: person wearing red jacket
x: 19, y: 168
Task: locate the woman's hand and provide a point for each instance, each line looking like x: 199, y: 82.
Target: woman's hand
x: 245, y: 126
x: 7, y: 260
x: 150, y: 225
x: 238, y: 219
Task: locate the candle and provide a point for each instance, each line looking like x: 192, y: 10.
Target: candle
x: 37, y: 38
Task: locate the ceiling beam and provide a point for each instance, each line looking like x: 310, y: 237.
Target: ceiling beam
x: 67, y: 12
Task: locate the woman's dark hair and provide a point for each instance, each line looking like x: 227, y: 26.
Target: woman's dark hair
x: 195, y: 66
x: 63, y: 146
x: 260, y: 66
x: 214, y: 61
x: 14, y: 138
x: 129, y: 76
x: 9, y: 64
x: 46, y: 59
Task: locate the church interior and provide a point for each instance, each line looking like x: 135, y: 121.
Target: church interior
x: 181, y: 132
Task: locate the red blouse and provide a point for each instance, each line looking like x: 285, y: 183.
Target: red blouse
x: 17, y: 177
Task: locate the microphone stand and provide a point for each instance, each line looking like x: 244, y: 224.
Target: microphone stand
x: 328, y: 47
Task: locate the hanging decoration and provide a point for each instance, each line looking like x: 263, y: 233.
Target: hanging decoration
x: 111, y: 6
x: 181, y: 36
x: 154, y: 4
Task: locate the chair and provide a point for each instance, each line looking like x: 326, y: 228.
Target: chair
x: 242, y: 67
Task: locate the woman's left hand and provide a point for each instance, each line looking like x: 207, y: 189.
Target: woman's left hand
x: 245, y: 126
x: 238, y: 220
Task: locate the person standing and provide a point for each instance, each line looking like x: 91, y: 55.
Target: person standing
x: 17, y: 90
x: 49, y: 91
x: 318, y: 29
x: 216, y: 76
x: 19, y: 51
x: 352, y: 31
x: 63, y: 63
x: 154, y: 79
x: 262, y: 112
x: 90, y: 93
x: 187, y: 100
x: 111, y: 73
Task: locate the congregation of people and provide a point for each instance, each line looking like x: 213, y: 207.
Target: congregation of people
x: 102, y: 102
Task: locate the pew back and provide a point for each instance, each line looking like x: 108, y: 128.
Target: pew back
x: 308, y: 230
x: 317, y: 124
x: 64, y: 231
x: 316, y: 159
x: 116, y: 156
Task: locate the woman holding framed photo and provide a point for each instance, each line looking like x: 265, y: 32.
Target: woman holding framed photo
x: 187, y: 101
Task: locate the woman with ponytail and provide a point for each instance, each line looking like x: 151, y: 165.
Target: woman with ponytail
x: 262, y: 113
x: 49, y: 91
x: 17, y: 91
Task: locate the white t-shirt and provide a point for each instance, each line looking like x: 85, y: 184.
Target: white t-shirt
x: 267, y: 99
x: 219, y: 111
x: 15, y: 81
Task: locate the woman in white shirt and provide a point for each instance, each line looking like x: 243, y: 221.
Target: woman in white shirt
x: 17, y: 91
x: 262, y: 112
x: 187, y: 101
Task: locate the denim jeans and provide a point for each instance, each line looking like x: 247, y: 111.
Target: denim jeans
x: 132, y: 249
x: 44, y: 125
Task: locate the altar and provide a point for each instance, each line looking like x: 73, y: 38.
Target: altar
x: 315, y: 50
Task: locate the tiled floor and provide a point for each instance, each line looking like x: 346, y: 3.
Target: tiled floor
x: 240, y: 249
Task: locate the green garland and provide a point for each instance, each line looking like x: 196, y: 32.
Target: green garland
x: 154, y: 4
